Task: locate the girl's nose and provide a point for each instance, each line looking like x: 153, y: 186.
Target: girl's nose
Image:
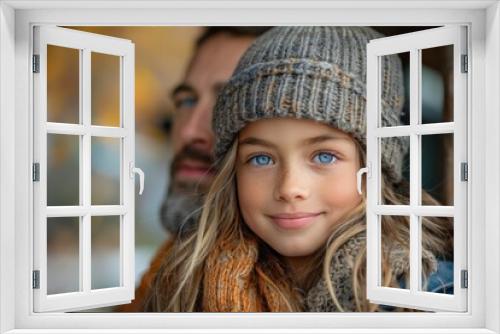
x: 292, y: 186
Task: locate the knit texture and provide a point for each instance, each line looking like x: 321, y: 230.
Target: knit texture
x: 316, y: 73
x: 233, y: 279
x: 232, y: 282
x: 318, y: 298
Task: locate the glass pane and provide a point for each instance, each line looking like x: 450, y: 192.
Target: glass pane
x: 105, y: 171
x: 437, y: 169
x: 394, y: 98
x: 105, y: 89
x: 437, y: 234
x: 63, y: 262
x: 394, y: 194
x: 105, y: 252
x: 63, y: 84
x: 437, y: 84
x: 63, y: 176
x: 395, y: 250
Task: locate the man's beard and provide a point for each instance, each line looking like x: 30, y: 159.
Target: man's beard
x: 180, y: 211
x: 182, y: 205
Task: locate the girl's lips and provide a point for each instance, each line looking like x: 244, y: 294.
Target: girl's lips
x: 294, y: 220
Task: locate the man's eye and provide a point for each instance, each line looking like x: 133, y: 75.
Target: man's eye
x: 261, y: 160
x: 325, y: 158
x: 185, y: 102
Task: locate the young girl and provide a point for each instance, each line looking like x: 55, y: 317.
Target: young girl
x: 283, y: 227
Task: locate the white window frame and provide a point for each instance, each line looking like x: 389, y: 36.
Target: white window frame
x: 16, y: 21
x: 85, y: 43
x: 414, y: 43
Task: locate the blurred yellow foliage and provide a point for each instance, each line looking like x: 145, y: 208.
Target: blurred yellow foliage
x: 161, y: 57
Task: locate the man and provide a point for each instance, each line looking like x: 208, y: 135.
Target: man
x: 215, y: 58
x: 217, y: 53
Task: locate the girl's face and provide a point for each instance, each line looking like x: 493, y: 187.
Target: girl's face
x: 295, y: 179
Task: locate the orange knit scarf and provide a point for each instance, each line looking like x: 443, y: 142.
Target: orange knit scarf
x: 235, y: 281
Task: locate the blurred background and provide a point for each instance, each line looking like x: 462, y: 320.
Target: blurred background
x: 161, y: 57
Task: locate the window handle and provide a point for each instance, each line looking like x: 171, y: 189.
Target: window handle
x: 135, y: 170
x: 360, y: 172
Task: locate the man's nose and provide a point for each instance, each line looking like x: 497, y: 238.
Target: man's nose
x: 293, y: 185
x: 196, y: 130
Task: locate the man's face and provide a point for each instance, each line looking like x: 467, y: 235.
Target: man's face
x: 194, y: 99
x: 192, y: 134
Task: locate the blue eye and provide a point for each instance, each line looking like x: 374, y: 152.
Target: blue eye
x: 260, y: 160
x: 185, y: 102
x: 325, y: 158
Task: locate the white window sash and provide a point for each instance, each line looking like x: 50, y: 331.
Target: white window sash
x: 17, y: 214
x: 86, y: 297
x: 412, y: 297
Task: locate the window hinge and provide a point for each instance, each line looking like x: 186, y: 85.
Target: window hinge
x: 36, y: 172
x: 465, y: 66
x: 36, y: 63
x: 36, y: 279
x: 464, y: 175
x: 465, y: 279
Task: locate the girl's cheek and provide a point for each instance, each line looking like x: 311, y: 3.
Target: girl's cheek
x: 341, y: 189
x: 250, y: 186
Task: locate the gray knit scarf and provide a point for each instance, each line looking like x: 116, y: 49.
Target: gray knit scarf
x: 318, y: 298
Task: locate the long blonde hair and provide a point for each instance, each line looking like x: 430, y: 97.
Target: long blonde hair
x: 438, y: 240
x: 177, y: 286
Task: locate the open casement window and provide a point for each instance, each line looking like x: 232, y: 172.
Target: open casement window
x: 416, y: 131
x: 74, y: 138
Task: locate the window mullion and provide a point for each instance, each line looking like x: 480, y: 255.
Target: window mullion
x: 415, y: 174
x: 420, y: 129
x: 106, y: 131
x: 85, y: 235
x: 420, y: 210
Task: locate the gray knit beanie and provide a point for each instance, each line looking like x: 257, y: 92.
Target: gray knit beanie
x: 316, y: 73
